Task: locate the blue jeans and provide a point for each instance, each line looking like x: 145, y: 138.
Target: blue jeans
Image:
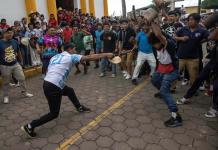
x: 104, y: 65
x: 163, y: 83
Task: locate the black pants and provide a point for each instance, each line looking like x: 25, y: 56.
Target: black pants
x: 215, y: 95
x: 54, y: 95
x: 205, y: 74
x: 87, y: 52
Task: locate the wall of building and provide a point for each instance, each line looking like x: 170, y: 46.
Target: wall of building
x: 194, y: 9
x: 16, y: 9
x: 77, y: 3
x: 42, y: 8
x: 99, y: 8
x: 12, y: 10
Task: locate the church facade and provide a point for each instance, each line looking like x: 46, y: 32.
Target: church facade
x: 17, y: 9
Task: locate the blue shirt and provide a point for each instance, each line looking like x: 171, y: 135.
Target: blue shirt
x: 191, y: 49
x: 143, y: 44
x: 8, y: 52
x: 98, y: 39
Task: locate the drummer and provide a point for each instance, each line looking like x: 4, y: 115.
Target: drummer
x: 110, y: 44
x: 55, y: 85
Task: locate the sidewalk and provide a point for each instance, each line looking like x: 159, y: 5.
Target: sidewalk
x: 123, y: 117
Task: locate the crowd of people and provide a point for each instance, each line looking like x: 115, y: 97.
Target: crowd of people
x: 166, y: 50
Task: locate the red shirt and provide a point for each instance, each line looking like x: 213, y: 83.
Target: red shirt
x: 4, y: 26
x: 67, y: 33
x: 165, y: 68
x: 52, y: 23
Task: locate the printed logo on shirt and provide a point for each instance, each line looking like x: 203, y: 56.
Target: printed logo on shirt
x: 197, y: 35
x: 9, y: 54
x: 170, y: 30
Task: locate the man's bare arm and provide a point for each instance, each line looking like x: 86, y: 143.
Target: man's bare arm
x: 94, y: 57
x: 157, y: 31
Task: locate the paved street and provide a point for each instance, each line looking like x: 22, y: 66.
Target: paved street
x: 137, y: 123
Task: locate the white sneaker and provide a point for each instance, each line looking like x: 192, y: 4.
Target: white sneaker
x: 185, y: 82
x: 124, y: 72
x: 113, y: 76
x: 101, y: 75
x: 12, y: 84
x: 202, y: 88
x: 6, y: 100
x: 26, y: 94
x: 182, y: 101
x: 128, y: 76
x: 212, y: 113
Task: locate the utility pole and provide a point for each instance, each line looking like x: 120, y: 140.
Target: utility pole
x: 124, y: 8
x: 199, y: 6
x: 172, y: 5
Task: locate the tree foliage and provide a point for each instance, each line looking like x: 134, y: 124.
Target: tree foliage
x: 210, y: 4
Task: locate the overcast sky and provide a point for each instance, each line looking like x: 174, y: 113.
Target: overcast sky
x: 115, y: 5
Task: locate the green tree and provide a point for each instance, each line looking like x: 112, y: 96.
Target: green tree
x: 210, y: 4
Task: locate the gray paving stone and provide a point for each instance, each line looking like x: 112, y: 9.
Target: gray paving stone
x: 104, y: 131
x: 133, y: 132
x: 183, y: 139
x: 88, y: 145
x: 104, y: 141
x: 91, y: 135
x: 121, y: 146
x: 151, y: 138
x: 202, y: 145
x: 55, y: 138
x: 39, y: 142
x: 136, y: 143
x: 119, y: 136
x: 163, y: 133
x: 153, y: 147
x: 169, y: 144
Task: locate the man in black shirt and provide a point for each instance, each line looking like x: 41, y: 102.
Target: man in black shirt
x: 109, y: 42
x: 126, y: 42
x: 210, y: 68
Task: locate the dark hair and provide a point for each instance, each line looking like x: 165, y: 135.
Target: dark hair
x: 124, y: 21
x: 3, y: 20
x: 29, y: 24
x: 152, y: 39
x: 69, y: 45
x: 172, y: 13
x: 195, y: 16
x: 8, y: 30
x: 99, y: 24
x: 76, y: 26
x: 106, y: 24
x: 211, y: 21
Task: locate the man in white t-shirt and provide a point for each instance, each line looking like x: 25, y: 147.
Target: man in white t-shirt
x: 55, y: 85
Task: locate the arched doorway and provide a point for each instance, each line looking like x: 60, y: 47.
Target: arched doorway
x: 65, y: 4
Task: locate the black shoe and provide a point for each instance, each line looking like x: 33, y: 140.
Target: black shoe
x: 28, y: 131
x: 85, y: 70
x: 82, y: 109
x: 134, y: 82
x: 174, y: 122
x: 173, y: 91
x: 96, y: 67
x: 158, y: 95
